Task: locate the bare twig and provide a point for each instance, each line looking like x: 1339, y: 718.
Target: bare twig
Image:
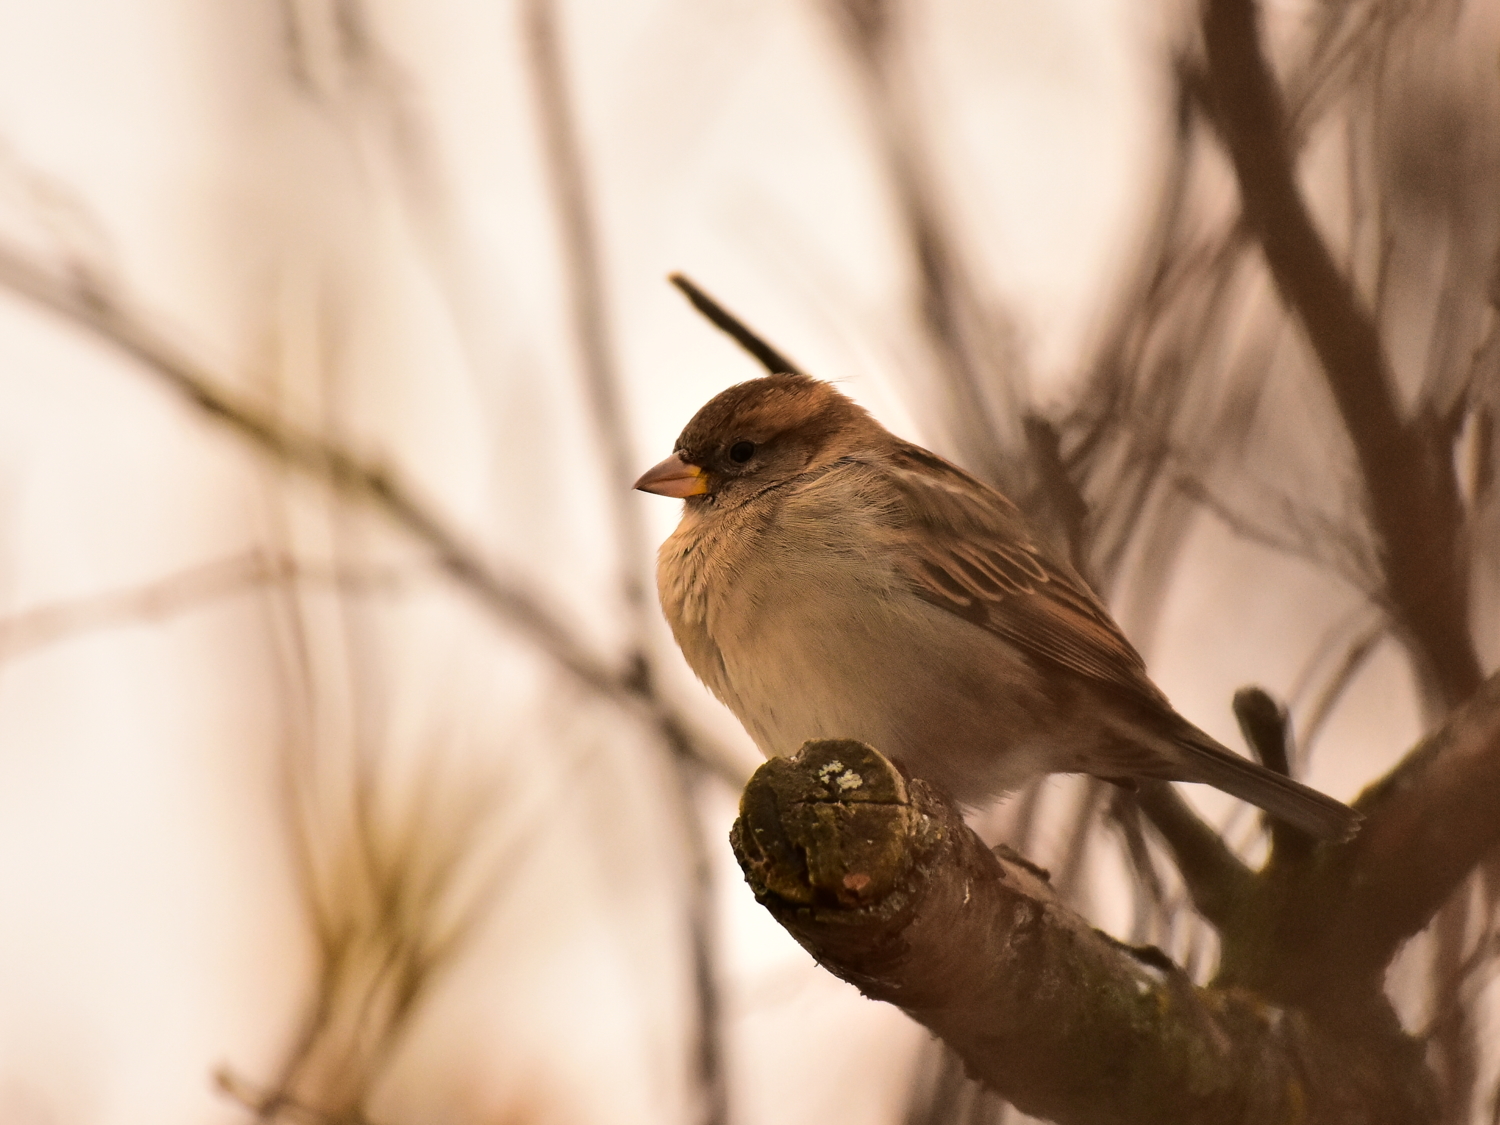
x: 1216, y: 880
x: 601, y: 379
x: 770, y: 358
x: 1342, y: 912
x: 1412, y: 494
x: 1150, y: 897
x: 505, y: 596
x: 588, y: 311
x: 980, y: 391
x: 177, y: 593
x: 1355, y: 654
x: 1267, y: 729
x: 111, y: 322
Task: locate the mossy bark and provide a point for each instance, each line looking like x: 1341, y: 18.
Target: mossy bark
x: 879, y: 878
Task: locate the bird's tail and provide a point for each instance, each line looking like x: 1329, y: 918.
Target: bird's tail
x: 1205, y: 760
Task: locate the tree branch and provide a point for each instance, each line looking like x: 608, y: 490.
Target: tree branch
x: 506, y: 597
x: 1216, y: 880
x: 591, y: 326
x: 179, y: 592
x: 1325, y: 923
x: 772, y: 360
x: 1428, y: 824
x: 881, y: 881
x: 1267, y: 728
x: 1413, y: 498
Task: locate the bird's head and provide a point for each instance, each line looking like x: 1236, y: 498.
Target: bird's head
x: 759, y: 434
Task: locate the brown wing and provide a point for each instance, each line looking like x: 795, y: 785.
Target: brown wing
x: 967, y: 549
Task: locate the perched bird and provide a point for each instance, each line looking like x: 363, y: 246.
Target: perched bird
x: 829, y: 580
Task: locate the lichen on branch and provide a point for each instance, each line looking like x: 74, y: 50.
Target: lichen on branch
x: 878, y: 877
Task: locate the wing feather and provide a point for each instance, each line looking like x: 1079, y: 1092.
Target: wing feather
x: 966, y: 548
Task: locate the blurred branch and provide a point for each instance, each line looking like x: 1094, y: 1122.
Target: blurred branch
x: 1354, y: 639
x: 1411, y: 491
x: 981, y: 395
x: 590, y: 318
x: 881, y: 881
x: 269, y: 1105
x: 1428, y: 823
x: 396, y: 873
x: 1150, y: 896
x: 177, y: 593
x: 1267, y: 729
x: 1295, y: 532
x: 1325, y: 922
x: 772, y: 360
x: 506, y: 597
x: 1215, y: 878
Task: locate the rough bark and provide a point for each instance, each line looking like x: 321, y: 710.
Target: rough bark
x: 879, y: 878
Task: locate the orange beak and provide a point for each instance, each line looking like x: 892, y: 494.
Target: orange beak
x: 674, y: 477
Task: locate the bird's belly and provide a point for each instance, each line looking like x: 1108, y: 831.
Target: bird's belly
x: 954, y: 704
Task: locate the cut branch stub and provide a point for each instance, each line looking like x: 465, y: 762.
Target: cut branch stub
x: 829, y: 826
x: 878, y: 877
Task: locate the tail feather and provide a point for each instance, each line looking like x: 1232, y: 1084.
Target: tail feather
x: 1317, y: 814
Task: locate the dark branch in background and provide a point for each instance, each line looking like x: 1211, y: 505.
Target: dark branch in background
x: 1267, y: 728
x: 1413, y: 498
x: 1215, y: 878
x: 1409, y: 471
x: 1428, y: 823
x: 1319, y: 926
x: 771, y: 359
x: 881, y: 881
x: 591, y: 327
x: 980, y: 396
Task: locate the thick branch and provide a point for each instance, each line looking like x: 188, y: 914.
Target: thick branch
x: 1413, y: 500
x: 883, y: 883
x: 1428, y: 824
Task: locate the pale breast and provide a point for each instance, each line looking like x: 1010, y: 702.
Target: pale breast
x: 792, y: 612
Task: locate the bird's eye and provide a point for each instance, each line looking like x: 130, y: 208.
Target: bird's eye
x: 741, y: 451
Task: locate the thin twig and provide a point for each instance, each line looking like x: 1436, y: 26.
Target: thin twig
x: 176, y: 593
x: 770, y: 358
x: 1355, y: 654
x: 591, y: 326
x: 1267, y: 729
x: 980, y: 391
x: 505, y: 596
x: 588, y: 311
x: 1150, y: 897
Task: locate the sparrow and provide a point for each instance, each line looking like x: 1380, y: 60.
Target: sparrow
x: 830, y: 580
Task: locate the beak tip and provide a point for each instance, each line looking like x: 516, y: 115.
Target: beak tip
x: 673, y: 477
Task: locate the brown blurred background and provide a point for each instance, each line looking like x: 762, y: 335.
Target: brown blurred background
x: 331, y: 334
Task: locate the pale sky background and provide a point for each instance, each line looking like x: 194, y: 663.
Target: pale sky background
x: 149, y: 925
